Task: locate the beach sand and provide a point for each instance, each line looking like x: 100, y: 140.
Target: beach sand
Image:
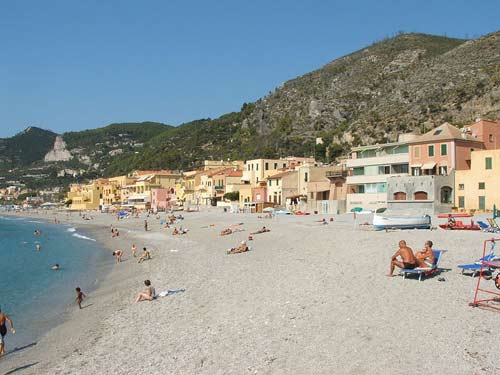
x: 307, y: 299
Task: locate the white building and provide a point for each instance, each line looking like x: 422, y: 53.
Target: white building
x: 370, y: 167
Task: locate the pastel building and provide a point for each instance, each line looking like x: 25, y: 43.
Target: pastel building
x: 327, y: 190
x: 282, y: 186
x: 369, y: 169
x: 163, y: 199
x: 478, y: 188
x: 87, y: 197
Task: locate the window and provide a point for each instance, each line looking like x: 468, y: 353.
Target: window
x: 461, y: 186
x: 269, y: 182
x: 400, y: 196
x: 430, y: 150
x: 488, y: 163
x: 256, y: 167
x: 482, y: 202
x: 444, y: 149
x: 275, y: 165
x: 312, y: 195
x: 416, y: 152
x: 384, y: 169
x: 266, y: 166
x: 284, y: 165
x: 461, y: 201
x: 437, y: 132
x: 400, y: 168
x: 443, y: 170
x: 416, y: 171
x: 490, y: 138
x: 306, y: 175
x: 252, y: 167
x: 420, y: 196
x: 358, y: 171
x: 270, y: 199
x: 481, y: 186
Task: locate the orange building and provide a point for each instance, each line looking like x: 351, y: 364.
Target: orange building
x: 442, y: 150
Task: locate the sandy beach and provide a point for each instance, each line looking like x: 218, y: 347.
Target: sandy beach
x: 307, y: 299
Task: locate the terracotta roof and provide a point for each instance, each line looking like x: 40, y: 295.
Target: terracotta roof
x: 233, y: 173
x: 280, y: 175
x: 444, y: 132
x: 161, y: 172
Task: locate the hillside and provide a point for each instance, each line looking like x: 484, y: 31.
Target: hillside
x: 411, y: 82
x: 80, y: 155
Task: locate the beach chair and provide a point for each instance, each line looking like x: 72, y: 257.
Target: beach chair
x: 425, y: 271
x: 476, y: 266
x: 493, y: 224
x: 484, y: 227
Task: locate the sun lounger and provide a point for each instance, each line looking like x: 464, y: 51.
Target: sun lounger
x: 493, y: 224
x: 425, y: 271
x: 484, y: 227
x: 476, y: 266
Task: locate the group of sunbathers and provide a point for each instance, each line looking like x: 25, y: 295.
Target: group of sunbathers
x: 404, y: 257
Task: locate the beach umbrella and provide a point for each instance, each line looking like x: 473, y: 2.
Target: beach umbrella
x: 356, y: 209
x: 268, y: 209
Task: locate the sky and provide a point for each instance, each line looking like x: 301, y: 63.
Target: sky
x: 73, y: 65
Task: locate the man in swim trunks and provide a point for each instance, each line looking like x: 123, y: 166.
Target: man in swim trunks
x: 425, y: 258
x: 3, y: 330
x: 407, y: 261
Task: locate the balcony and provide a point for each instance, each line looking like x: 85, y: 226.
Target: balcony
x: 341, y: 172
x: 378, y: 160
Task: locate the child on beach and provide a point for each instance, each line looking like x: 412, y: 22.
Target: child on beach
x: 134, y: 249
x: 80, y: 296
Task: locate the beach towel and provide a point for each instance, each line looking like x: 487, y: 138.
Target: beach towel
x: 170, y: 291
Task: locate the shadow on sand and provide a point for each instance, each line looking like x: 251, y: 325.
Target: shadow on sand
x: 20, y: 368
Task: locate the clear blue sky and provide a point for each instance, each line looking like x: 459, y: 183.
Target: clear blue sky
x: 72, y: 64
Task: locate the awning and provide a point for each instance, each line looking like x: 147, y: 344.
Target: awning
x: 416, y: 165
x: 429, y: 165
x: 293, y: 196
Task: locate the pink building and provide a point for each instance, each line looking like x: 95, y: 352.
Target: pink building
x: 442, y: 150
x: 259, y: 193
x: 486, y: 131
x: 162, y: 199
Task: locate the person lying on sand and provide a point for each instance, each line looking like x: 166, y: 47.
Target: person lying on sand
x: 118, y: 254
x: 263, y: 230
x: 226, y: 231
x: 146, y: 255
x: 240, y: 249
x: 407, y: 261
x: 148, y: 295
x: 425, y: 257
x: 175, y: 232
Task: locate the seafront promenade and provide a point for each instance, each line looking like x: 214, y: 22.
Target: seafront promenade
x: 307, y: 299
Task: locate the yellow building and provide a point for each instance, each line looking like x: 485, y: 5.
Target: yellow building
x: 477, y: 188
x: 139, y: 192
x: 87, y: 197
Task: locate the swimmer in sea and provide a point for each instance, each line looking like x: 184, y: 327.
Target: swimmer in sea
x: 55, y: 267
x: 38, y: 247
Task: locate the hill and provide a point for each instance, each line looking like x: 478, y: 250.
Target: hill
x: 411, y: 82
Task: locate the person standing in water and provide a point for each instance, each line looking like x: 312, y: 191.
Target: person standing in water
x: 3, y: 330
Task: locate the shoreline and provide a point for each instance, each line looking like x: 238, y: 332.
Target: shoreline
x: 308, y: 298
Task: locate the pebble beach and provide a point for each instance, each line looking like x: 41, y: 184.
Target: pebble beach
x: 307, y: 299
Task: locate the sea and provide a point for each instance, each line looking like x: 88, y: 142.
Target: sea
x: 33, y: 295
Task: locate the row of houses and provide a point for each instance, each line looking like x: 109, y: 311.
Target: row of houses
x: 444, y: 168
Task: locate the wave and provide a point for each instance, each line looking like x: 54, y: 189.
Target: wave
x: 71, y: 229
x: 81, y: 236
x: 34, y: 221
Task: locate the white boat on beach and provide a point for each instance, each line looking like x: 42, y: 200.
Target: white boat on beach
x: 401, y: 222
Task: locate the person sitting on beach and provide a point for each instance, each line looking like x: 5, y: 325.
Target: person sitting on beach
x: 263, y: 230
x: 226, y: 231
x: 80, y: 296
x: 407, y: 258
x: 425, y: 257
x: 148, y: 295
x: 451, y: 221
x: 146, y: 255
x: 118, y: 254
x: 175, y: 232
x: 240, y: 249
x: 55, y: 267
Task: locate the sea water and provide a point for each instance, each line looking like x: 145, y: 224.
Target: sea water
x: 33, y: 295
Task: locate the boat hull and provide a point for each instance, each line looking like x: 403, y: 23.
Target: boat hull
x: 445, y: 216
x: 460, y: 227
x: 401, y: 222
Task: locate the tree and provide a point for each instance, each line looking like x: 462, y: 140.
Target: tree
x: 232, y: 196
